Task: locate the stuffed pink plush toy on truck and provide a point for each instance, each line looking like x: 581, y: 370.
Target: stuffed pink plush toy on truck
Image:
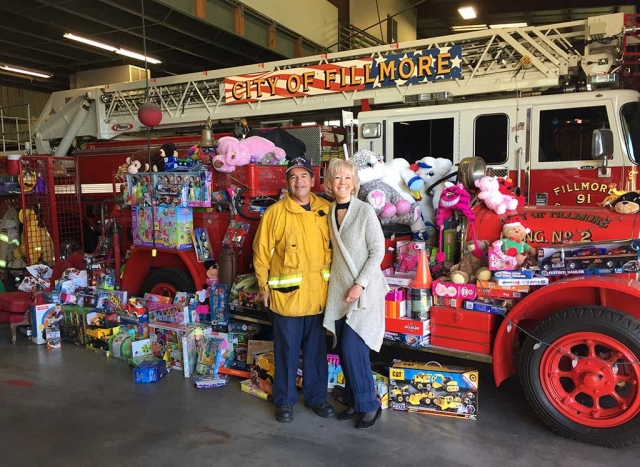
x: 234, y: 153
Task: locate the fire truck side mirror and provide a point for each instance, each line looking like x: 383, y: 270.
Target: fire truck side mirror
x: 602, y: 145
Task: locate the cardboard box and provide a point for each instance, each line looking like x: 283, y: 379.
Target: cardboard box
x: 407, y: 326
x: 434, y: 389
x: 494, y: 285
x: 591, y: 259
x: 381, y: 384
x: 536, y: 280
x: 451, y: 245
x: 45, y: 317
x: 499, y: 293
x: 172, y: 227
x: 442, y: 288
x: 485, y: 307
x: 396, y: 294
x: 250, y: 388
x: 257, y: 347
x: 408, y: 339
x: 515, y: 274
x: 149, y: 372
x: 448, y: 301
x: 400, y: 279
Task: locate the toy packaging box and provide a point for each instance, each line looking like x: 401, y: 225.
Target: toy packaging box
x: 186, y: 189
x: 407, y: 253
x: 149, y: 372
x: 202, y: 245
x: 381, y: 384
x: 111, y: 301
x: 588, y: 259
x: 45, y: 319
x: 429, y: 388
x: 172, y: 227
x: 407, y: 326
x: 167, y: 313
x: 441, y: 288
x: 408, y: 339
x: 219, y: 304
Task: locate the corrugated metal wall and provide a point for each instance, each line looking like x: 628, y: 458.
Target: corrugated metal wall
x: 10, y: 97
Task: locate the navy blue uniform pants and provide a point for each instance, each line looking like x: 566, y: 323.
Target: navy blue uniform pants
x: 290, y: 334
x: 356, y: 366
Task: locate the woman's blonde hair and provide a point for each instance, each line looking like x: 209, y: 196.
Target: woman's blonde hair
x: 335, y: 167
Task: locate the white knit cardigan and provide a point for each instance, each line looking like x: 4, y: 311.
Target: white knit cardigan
x: 358, y: 250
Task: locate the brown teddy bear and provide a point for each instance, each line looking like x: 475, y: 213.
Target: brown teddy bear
x: 465, y: 270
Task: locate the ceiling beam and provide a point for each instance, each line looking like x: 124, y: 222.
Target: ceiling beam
x: 449, y: 8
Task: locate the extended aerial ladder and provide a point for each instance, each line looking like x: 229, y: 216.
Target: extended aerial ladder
x: 575, y: 55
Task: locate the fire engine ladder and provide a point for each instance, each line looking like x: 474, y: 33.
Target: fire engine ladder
x: 495, y: 60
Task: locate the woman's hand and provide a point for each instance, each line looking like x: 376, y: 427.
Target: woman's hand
x: 353, y: 293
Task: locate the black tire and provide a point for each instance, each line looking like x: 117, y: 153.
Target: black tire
x: 419, y: 385
x: 176, y: 277
x: 598, y: 319
x: 400, y: 398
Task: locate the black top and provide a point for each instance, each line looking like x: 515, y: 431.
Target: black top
x: 341, y: 206
x: 306, y: 207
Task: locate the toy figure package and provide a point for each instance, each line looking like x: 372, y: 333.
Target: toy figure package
x: 202, y: 245
x: 235, y: 235
x: 219, y: 304
x: 209, y: 356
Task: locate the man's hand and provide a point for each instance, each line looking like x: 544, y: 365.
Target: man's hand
x: 264, y: 298
x: 353, y: 293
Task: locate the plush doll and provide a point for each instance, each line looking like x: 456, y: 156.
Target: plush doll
x: 205, y: 156
x: 455, y: 198
x: 234, y: 153
x: 513, y: 238
x: 389, y: 205
x: 203, y: 309
x: 490, y: 194
x: 507, y: 188
x: 469, y: 264
x: 430, y: 170
x: 402, y: 176
x: 141, y: 158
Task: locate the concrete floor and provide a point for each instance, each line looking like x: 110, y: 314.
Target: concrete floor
x: 83, y: 409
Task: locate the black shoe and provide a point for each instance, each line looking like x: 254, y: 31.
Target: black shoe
x: 362, y: 425
x: 284, y: 413
x: 323, y: 409
x: 345, y: 415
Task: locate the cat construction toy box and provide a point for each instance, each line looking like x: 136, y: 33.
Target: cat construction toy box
x: 430, y: 388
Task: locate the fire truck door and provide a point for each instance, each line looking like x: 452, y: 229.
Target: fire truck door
x: 562, y: 171
x: 415, y: 135
x: 498, y: 134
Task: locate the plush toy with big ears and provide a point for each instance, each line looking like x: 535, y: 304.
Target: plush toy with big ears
x: 508, y: 188
x: 493, y: 198
x: 455, y: 198
x: 234, y: 153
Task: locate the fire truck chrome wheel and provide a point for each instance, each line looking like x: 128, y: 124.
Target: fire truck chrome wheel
x: 594, y: 398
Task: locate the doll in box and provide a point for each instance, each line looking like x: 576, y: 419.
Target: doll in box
x: 203, y: 309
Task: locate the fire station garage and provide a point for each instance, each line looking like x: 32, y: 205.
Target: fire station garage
x: 322, y: 232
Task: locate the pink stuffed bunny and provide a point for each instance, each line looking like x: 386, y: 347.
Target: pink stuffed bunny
x: 234, y: 153
x: 493, y: 198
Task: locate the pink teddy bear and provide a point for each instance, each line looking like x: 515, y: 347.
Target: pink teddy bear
x: 234, y: 153
x: 493, y: 198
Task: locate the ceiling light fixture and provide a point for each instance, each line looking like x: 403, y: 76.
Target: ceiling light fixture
x: 469, y: 27
x: 25, y: 72
x: 128, y: 53
x: 467, y: 12
x: 84, y: 40
x: 508, y: 25
x: 110, y: 48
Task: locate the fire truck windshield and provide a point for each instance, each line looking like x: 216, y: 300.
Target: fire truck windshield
x: 631, y: 123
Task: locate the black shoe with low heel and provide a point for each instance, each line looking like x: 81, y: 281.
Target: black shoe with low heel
x: 345, y: 416
x: 362, y: 425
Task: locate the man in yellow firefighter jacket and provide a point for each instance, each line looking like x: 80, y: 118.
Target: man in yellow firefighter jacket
x: 292, y: 258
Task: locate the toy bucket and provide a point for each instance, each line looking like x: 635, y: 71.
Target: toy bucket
x: 13, y: 164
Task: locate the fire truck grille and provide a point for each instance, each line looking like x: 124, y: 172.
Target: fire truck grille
x: 497, y: 171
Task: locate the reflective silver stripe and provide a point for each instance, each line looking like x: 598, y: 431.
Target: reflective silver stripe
x: 277, y: 282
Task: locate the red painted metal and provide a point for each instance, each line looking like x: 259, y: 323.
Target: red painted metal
x: 594, y: 392
x: 619, y: 292
x: 166, y: 290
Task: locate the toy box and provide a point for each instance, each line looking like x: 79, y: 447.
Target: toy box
x: 407, y: 254
x: 499, y: 261
x: 407, y: 326
x: 381, y: 384
x: 336, y: 375
x: 499, y: 292
x: 172, y: 227
x: 149, y: 372
x: 476, y: 305
x: 400, y: 279
x: 202, y: 245
x: 255, y: 347
x: 187, y: 189
x: 138, y: 189
x: 591, y: 258
x: 442, y: 288
x: 494, y: 285
x: 430, y: 388
x: 45, y: 318
x: 167, y: 313
x: 167, y: 343
x: 219, y: 304
x: 251, y: 388
x: 514, y: 274
x: 408, y: 339
x: 451, y: 245
x: 535, y: 280
x: 448, y: 301
x: 111, y: 301
x: 396, y: 294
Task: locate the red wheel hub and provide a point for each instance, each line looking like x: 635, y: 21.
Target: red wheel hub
x: 600, y: 391
x: 164, y: 289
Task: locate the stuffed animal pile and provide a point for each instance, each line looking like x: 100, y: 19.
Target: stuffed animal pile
x: 493, y: 198
x: 390, y: 206
x: 234, y: 153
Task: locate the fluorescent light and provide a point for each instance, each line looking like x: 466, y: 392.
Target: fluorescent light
x: 128, y: 53
x: 469, y: 27
x: 101, y: 45
x: 467, y: 12
x: 508, y: 25
x: 24, y: 72
x: 84, y: 40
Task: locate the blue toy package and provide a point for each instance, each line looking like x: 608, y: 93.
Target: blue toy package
x: 209, y: 356
x: 219, y: 304
x: 150, y: 371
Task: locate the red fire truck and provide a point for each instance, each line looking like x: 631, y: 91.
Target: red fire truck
x: 527, y: 100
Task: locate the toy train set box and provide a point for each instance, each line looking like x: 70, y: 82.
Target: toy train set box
x: 589, y: 259
x: 430, y: 388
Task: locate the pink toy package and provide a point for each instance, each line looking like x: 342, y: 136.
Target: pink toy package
x: 447, y: 289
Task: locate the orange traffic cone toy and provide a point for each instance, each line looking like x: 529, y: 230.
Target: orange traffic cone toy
x: 423, y: 278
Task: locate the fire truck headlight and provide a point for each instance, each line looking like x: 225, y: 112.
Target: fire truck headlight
x: 371, y: 130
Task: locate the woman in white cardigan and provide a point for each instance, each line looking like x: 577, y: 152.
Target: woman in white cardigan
x: 355, y: 303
